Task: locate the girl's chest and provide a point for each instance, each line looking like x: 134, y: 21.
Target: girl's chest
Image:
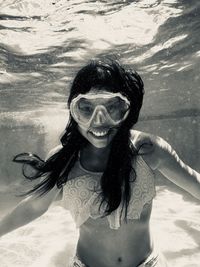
x: 82, y: 196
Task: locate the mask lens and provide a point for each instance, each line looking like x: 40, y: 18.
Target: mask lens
x: 117, y: 108
x: 85, y: 109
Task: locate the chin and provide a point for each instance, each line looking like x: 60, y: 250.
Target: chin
x: 99, y: 145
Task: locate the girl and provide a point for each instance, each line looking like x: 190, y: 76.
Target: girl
x: 104, y: 172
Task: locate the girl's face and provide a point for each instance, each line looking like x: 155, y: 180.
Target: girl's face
x: 99, y: 118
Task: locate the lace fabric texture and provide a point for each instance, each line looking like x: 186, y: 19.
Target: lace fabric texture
x: 81, y: 194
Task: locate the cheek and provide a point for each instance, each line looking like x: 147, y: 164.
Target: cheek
x: 82, y: 131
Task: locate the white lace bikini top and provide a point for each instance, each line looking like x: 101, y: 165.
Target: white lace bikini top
x: 81, y: 197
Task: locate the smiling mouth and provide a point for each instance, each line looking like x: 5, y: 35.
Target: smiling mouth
x: 99, y: 133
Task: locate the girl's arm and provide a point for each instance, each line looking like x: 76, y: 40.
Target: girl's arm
x: 162, y: 157
x: 30, y: 208
x: 26, y: 211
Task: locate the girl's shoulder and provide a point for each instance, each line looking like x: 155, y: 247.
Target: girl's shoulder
x: 152, y: 148
x: 143, y: 142
x: 53, y: 151
x: 160, y: 155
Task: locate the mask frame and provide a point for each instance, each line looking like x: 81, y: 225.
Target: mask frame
x: 90, y: 96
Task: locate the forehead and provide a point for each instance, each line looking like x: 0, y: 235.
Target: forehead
x: 96, y: 94
x: 100, y: 89
x: 100, y: 97
x: 99, y: 101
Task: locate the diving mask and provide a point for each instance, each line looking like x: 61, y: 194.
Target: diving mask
x: 111, y: 108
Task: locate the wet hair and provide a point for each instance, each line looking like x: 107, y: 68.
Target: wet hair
x: 119, y: 171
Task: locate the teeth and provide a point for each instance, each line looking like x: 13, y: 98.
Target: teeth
x: 102, y: 133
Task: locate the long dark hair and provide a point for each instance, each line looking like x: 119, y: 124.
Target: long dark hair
x: 115, y: 181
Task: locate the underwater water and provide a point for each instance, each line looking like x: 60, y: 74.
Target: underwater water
x: 42, y: 45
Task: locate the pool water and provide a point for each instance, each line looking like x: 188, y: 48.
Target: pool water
x: 43, y: 44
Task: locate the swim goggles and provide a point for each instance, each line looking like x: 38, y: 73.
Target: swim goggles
x: 111, y: 108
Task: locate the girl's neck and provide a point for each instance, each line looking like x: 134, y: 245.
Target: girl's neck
x: 94, y: 159
x: 93, y: 151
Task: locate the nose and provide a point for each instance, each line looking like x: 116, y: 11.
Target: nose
x: 99, y: 118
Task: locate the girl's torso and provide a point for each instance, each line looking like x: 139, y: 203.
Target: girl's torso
x: 128, y: 246
x: 109, y: 241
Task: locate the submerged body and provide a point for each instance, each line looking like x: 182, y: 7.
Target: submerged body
x: 109, y: 241
x: 100, y: 245
x: 104, y: 242
x: 104, y: 101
